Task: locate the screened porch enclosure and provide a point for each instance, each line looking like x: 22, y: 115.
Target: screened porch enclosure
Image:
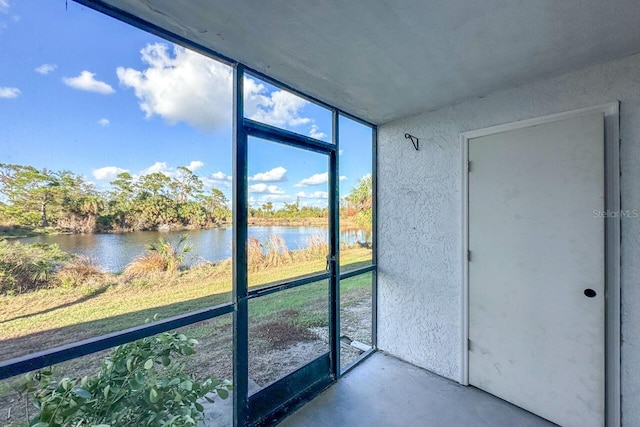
x: 276, y: 279
x: 438, y: 194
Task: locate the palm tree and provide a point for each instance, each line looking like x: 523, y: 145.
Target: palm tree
x: 360, y: 202
x: 361, y: 196
x: 172, y: 255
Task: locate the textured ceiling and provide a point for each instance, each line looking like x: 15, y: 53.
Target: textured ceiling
x: 385, y: 59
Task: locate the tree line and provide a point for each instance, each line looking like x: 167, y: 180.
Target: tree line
x: 66, y: 202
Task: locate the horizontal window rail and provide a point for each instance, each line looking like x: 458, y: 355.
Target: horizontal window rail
x: 357, y: 271
x: 42, y: 359
x: 288, y: 285
x: 272, y: 133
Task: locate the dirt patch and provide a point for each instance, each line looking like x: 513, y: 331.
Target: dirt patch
x: 281, y: 334
x: 355, y: 321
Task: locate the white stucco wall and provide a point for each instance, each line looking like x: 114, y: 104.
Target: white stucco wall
x: 419, y: 214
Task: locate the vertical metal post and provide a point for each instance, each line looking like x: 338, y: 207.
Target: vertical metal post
x: 374, y: 236
x: 612, y: 234
x: 334, y: 242
x: 240, y: 314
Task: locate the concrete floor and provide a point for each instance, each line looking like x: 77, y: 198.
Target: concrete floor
x: 384, y: 391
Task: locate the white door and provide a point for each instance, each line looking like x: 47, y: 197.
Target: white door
x: 536, y: 269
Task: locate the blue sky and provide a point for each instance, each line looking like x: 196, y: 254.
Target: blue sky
x: 83, y: 92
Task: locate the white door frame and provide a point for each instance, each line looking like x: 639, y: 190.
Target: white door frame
x: 612, y: 244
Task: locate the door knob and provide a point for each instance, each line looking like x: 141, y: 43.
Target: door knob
x: 590, y: 293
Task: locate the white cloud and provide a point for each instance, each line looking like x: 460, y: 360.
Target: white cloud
x: 45, y: 69
x: 104, y: 122
x: 220, y: 176
x: 281, y: 109
x: 86, y: 81
x: 315, y: 132
x: 183, y: 86
x: 217, y: 180
x: 4, y: 6
x: 264, y: 188
x: 195, y: 164
x: 172, y: 172
x: 275, y: 198
x: 317, y: 179
x: 9, y: 92
x: 314, y: 195
x: 107, y: 173
x: 274, y: 175
x: 158, y: 167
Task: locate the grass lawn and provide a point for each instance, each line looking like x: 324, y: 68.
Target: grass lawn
x: 57, y: 316
x: 46, y: 318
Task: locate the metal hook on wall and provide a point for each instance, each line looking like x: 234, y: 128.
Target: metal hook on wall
x: 414, y: 140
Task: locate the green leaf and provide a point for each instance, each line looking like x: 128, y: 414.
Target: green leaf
x: 199, y: 407
x: 148, y: 364
x: 70, y: 411
x: 121, y: 365
x: 81, y: 392
x: 222, y: 393
x: 166, y: 361
x: 137, y: 382
x: 186, y: 385
x: 153, y: 396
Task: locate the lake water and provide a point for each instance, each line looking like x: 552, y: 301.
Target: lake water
x: 114, y: 251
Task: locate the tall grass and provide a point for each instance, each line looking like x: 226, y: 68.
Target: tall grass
x: 275, y: 253
x: 317, y: 247
x: 78, y: 271
x: 25, y: 268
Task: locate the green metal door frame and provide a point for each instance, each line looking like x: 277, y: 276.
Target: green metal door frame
x: 273, y: 400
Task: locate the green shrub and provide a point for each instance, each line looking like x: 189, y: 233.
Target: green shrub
x: 162, y: 257
x: 142, y: 383
x: 25, y: 268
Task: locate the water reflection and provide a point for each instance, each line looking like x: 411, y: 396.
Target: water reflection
x: 115, y: 251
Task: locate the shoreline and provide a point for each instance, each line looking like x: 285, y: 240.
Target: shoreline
x: 14, y: 232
